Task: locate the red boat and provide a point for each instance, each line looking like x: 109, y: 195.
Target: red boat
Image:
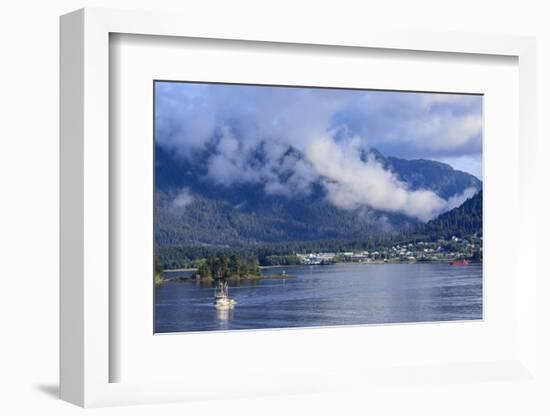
x: 459, y: 263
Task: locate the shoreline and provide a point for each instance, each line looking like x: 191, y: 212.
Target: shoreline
x: 179, y: 270
x: 290, y: 266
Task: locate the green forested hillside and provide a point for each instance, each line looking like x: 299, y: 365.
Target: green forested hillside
x: 463, y: 221
x: 243, y: 214
x: 209, y: 221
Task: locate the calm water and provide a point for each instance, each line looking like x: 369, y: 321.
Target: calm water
x: 341, y: 294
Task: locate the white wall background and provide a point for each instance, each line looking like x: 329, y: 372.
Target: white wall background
x: 29, y: 205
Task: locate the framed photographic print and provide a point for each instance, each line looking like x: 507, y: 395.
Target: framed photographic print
x: 280, y: 207
x: 291, y: 207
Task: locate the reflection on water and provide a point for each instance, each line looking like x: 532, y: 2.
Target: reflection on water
x: 340, y: 294
x: 224, y: 316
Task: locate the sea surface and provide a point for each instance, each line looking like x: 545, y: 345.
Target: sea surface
x: 340, y: 294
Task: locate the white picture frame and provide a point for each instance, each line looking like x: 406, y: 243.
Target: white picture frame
x: 86, y: 356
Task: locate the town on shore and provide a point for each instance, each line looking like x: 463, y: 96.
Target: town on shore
x: 421, y: 251
x: 248, y: 267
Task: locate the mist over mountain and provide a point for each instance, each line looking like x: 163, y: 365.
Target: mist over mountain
x: 462, y: 221
x: 195, y: 207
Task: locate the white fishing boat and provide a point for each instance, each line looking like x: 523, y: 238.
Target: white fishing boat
x: 221, y: 297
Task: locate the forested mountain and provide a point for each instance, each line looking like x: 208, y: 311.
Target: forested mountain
x: 192, y: 211
x: 462, y: 221
x: 435, y: 176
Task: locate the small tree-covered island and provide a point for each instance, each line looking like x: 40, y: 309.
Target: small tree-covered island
x: 292, y: 207
x: 227, y: 267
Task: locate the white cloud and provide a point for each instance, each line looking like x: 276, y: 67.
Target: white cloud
x: 182, y: 199
x: 326, y: 129
x: 190, y: 115
x: 427, y: 101
x: 442, y: 131
x: 352, y: 183
x: 458, y: 199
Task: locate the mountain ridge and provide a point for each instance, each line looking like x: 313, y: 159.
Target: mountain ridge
x: 189, y: 209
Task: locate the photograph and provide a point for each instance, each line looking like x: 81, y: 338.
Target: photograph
x: 281, y: 206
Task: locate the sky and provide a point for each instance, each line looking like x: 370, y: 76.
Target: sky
x: 329, y: 130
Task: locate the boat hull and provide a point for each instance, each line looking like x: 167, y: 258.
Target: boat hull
x: 459, y: 263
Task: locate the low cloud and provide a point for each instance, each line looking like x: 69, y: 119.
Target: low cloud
x: 289, y: 139
x: 182, y: 199
x: 352, y: 183
x: 458, y: 199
